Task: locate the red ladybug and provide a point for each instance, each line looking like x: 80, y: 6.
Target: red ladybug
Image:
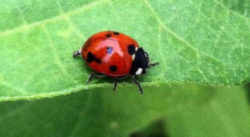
x: 115, y: 55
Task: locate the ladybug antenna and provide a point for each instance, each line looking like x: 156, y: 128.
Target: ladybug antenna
x: 153, y: 64
x: 148, y: 60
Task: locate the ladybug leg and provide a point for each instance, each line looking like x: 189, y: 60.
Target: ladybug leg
x: 115, y: 85
x: 91, y: 76
x: 153, y: 64
x: 77, y: 53
x: 138, y: 84
x: 94, y: 75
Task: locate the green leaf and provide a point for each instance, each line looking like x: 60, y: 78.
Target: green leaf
x: 201, y: 42
x: 187, y: 111
x: 194, y: 41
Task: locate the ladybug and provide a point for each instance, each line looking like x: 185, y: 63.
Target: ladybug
x: 115, y: 55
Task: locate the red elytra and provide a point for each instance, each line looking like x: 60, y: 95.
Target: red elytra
x: 112, y: 51
x: 115, y: 55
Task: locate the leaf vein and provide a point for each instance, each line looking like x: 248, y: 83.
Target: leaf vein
x: 12, y: 87
x: 57, y: 59
x: 53, y: 19
x: 232, y: 11
x: 160, y: 49
x: 167, y: 29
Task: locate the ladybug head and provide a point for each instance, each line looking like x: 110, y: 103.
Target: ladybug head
x: 140, y: 62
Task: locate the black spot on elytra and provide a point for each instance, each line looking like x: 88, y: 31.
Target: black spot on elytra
x: 131, y: 49
x: 98, y: 61
x: 91, y: 57
x: 116, y: 33
x: 108, y: 35
x: 113, y: 68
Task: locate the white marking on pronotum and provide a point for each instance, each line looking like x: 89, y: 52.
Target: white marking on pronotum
x: 139, y: 71
x: 133, y: 57
x: 136, y: 48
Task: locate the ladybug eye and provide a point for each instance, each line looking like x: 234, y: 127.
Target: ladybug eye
x: 109, y: 50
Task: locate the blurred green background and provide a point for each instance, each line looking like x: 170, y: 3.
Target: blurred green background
x: 164, y: 111
x: 199, y: 89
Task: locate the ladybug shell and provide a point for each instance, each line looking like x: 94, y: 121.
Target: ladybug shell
x: 110, y: 53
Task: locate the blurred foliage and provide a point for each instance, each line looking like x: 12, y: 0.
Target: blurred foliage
x: 186, y: 110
